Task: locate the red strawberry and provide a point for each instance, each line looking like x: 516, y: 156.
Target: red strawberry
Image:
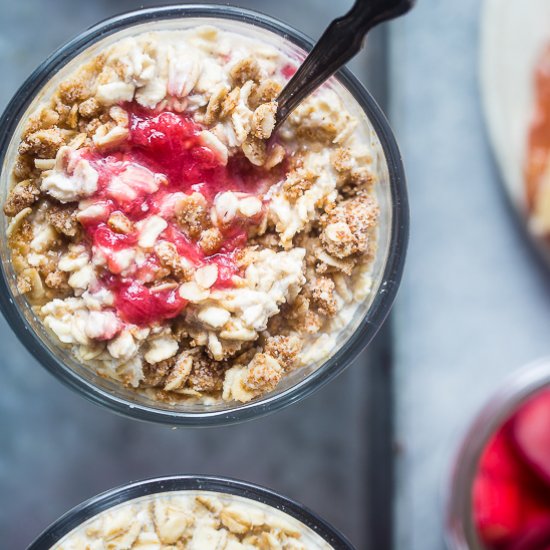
x: 535, y: 537
x: 496, y: 493
x: 531, y: 434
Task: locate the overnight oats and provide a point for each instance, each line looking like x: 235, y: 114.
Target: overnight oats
x: 168, y: 241
x: 195, y: 520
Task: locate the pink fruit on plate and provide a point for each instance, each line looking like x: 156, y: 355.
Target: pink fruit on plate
x: 531, y: 434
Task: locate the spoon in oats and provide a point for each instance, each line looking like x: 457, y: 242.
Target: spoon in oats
x: 342, y: 39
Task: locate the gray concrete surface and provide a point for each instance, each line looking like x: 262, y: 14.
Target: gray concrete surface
x: 475, y: 301
x: 56, y: 449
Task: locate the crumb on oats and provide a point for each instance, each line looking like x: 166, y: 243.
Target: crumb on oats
x: 155, y: 375
x: 211, y: 240
x: 206, y: 374
x: 42, y: 143
x: 89, y: 127
x: 284, y: 349
x: 322, y: 133
x: 263, y: 373
x: 347, y: 227
x: 321, y: 291
x: 298, y: 182
x: 342, y: 159
x: 90, y: 108
x: 169, y: 258
x: 44, y: 119
x: 179, y: 373
x: 352, y: 178
x: 24, y: 194
x: 245, y: 256
x: 24, y: 167
x: 301, y: 318
x: 63, y: 219
x: 22, y: 236
x: 193, y: 215
x: 71, y: 91
x: 57, y: 280
x: 24, y: 283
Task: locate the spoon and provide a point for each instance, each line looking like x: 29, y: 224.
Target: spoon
x: 342, y: 39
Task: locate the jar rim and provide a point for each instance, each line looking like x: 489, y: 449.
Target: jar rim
x: 176, y: 483
x: 392, y: 269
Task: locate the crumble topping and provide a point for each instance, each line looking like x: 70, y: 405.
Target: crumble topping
x: 193, y: 520
x: 171, y: 242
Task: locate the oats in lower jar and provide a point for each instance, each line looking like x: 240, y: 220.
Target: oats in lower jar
x: 193, y: 520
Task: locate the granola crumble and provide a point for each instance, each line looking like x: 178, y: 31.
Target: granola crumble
x: 168, y: 242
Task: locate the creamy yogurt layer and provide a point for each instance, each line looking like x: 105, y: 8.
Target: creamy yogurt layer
x: 168, y: 240
x: 195, y: 520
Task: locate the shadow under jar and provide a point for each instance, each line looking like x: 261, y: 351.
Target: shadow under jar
x: 231, y: 509
x: 391, y: 237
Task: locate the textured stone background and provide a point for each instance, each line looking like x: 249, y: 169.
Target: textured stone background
x: 56, y: 449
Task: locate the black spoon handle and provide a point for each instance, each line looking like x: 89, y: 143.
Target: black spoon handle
x: 342, y: 39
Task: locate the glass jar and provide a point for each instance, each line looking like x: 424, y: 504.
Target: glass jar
x: 391, y: 194
x: 147, y: 489
x: 460, y: 531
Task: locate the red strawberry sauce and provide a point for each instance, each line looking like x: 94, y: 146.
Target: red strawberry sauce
x: 163, y: 156
x: 289, y: 70
x: 511, y: 492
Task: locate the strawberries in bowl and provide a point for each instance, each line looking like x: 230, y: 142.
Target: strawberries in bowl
x: 511, y: 491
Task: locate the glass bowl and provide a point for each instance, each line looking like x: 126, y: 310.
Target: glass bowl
x: 391, y: 194
x: 146, y: 488
x: 460, y: 531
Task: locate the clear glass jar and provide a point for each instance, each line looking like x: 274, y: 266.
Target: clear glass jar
x: 391, y: 194
x: 460, y: 531
x: 193, y: 484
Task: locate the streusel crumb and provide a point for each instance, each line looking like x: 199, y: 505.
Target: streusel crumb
x: 63, y: 219
x: 284, y: 349
x: 42, y: 143
x: 346, y: 229
x: 321, y: 290
x: 24, y: 194
x: 193, y: 215
x: 263, y: 373
x: 206, y: 375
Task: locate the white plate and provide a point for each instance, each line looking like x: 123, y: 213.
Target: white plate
x: 513, y: 35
